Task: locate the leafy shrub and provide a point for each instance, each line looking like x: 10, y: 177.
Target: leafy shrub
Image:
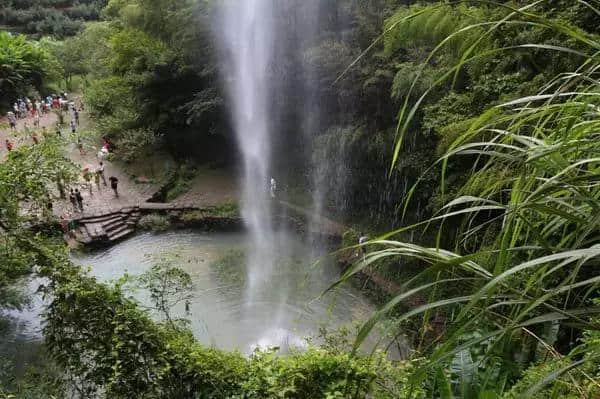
x: 134, y: 144
x: 23, y: 64
x: 154, y: 222
x: 182, y: 181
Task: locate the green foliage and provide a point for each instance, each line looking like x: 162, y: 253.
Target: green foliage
x: 152, y: 72
x: 167, y: 284
x: 424, y: 27
x: 135, y: 144
x: 154, y: 222
x: 111, y: 103
x: 226, y: 211
x: 134, y: 51
x: 38, y: 382
x: 26, y: 181
x: 231, y: 210
x: 71, y: 55
x: 180, y: 181
x: 518, y: 276
x: 24, y: 65
x: 59, y: 18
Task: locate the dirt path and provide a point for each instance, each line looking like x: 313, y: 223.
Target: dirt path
x: 19, y: 136
x: 99, y: 200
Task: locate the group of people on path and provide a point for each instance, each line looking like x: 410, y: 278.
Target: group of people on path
x: 25, y: 108
x: 75, y: 196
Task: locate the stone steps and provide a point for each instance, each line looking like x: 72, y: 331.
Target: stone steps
x: 82, y: 235
x: 113, y: 224
x: 95, y: 230
x: 108, y: 227
x: 122, y: 233
x: 100, y: 218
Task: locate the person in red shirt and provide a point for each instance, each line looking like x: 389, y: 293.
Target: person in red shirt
x: 9, y: 145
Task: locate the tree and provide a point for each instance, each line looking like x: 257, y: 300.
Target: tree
x: 168, y: 284
x: 71, y: 54
x: 27, y: 179
x: 23, y: 64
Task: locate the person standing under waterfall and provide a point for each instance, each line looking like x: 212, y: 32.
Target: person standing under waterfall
x: 273, y: 187
x: 363, y: 238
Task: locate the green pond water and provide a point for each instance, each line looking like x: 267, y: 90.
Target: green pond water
x: 221, y: 313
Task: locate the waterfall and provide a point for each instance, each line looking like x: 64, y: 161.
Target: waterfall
x: 258, y: 40
x: 245, y: 30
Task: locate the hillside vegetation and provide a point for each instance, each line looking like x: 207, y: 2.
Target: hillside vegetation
x: 60, y: 18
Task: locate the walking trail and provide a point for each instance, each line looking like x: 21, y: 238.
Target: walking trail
x: 99, y: 201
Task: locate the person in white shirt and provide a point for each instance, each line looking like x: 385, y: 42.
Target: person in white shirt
x: 273, y: 187
x: 363, y: 238
x: 100, y: 172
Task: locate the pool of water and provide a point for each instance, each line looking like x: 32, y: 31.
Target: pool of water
x: 222, y: 313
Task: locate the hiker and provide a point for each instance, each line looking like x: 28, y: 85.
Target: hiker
x: 36, y: 119
x: 87, y: 176
x: 80, y: 146
x: 73, y: 200
x: 12, y: 121
x: 114, y: 182
x: 73, y: 127
x: 107, y: 143
x: 79, y: 199
x: 100, y: 172
x: 273, y: 187
x: 76, y: 113
x: 103, y: 153
x: 9, y: 145
x: 97, y: 180
x: 35, y: 139
x: 64, y: 225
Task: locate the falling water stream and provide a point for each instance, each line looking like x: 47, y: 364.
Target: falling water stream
x: 245, y: 31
